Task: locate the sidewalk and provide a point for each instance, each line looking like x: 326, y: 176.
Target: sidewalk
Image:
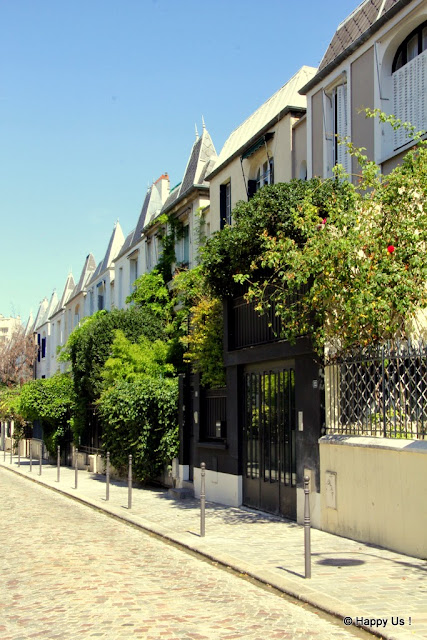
x: 349, y: 578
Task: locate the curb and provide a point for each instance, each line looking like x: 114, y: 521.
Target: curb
x: 306, y: 595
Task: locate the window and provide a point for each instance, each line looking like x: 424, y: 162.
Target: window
x: 225, y: 204
x: 148, y: 254
x: 186, y: 245
x: 264, y: 175
x: 76, y: 315
x: 409, y: 73
x: 101, y: 295
x: 38, y: 344
x: 133, y: 270
x: 120, y: 291
x: 335, y: 117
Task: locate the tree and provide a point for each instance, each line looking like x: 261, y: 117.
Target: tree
x: 141, y: 418
x: 344, y: 264
x: 89, y: 347
x: 202, y: 326
x: 50, y: 401
x: 17, y: 356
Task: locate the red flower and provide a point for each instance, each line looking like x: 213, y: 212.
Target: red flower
x: 390, y: 248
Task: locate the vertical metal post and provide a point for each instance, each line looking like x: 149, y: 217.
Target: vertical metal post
x: 19, y: 453
x: 202, y: 498
x: 41, y: 459
x: 307, y: 541
x: 58, y: 463
x: 11, y: 449
x: 107, y: 473
x: 31, y: 455
x: 130, y: 483
x: 76, y: 466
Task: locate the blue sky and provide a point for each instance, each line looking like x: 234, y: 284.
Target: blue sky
x: 100, y: 97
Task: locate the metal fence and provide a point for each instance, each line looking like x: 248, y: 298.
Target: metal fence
x: 249, y: 327
x: 379, y: 391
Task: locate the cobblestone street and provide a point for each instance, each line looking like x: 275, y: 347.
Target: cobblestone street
x: 71, y: 572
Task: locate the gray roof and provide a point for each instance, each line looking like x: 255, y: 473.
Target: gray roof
x: 202, y: 160
x: 126, y: 245
x: 367, y: 18
x: 285, y: 99
x: 173, y: 196
x: 46, y: 309
x: 114, y: 246
x: 66, y: 294
x: 87, y: 271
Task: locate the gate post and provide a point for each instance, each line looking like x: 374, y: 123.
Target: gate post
x: 307, y: 541
x: 76, y: 467
x: 202, y: 498
x: 130, y: 483
x: 41, y: 458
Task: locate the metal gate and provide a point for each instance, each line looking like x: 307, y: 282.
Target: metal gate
x: 269, y: 474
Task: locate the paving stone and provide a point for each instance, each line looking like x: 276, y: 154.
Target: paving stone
x: 80, y: 562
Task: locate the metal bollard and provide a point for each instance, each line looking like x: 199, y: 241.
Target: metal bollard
x: 307, y: 542
x: 41, y: 459
x: 58, y: 463
x: 31, y: 455
x: 19, y: 453
x: 202, y: 498
x: 76, y: 467
x: 130, y: 483
x: 11, y: 449
x: 107, y: 477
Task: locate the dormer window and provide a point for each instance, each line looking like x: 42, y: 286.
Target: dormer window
x: 409, y: 73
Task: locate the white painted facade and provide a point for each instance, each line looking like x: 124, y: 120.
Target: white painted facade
x: 8, y: 326
x: 131, y: 261
x: 100, y: 288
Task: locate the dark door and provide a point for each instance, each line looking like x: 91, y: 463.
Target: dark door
x: 269, y: 472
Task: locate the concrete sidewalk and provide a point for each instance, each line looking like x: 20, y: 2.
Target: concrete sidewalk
x: 383, y: 591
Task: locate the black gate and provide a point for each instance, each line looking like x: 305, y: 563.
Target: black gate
x: 269, y: 472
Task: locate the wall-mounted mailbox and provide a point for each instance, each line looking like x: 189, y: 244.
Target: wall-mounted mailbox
x: 220, y: 429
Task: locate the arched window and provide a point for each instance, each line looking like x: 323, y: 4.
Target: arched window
x: 409, y: 73
x: 412, y: 46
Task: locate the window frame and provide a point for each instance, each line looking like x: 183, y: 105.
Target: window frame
x: 402, y: 48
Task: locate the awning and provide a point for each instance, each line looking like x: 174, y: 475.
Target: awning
x: 257, y: 144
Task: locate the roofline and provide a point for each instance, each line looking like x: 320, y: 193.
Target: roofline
x: 200, y: 187
x: 354, y: 45
x: 264, y: 129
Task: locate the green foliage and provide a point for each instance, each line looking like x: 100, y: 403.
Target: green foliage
x: 202, y: 321
x: 170, y: 231
x: 141, y: 418
x: 51, y: 401
x: 275, y: 209
x: 152, y: 295
x: 130, y: 361
x: 341, y: 263
x: 89, y: 346
x: 9, y: 404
